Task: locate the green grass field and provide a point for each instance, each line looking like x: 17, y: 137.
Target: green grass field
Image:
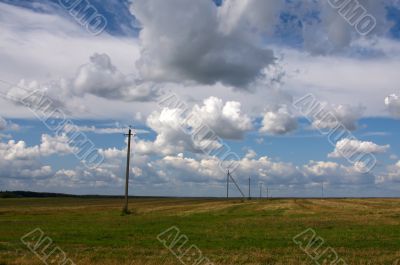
x: 93, y: 231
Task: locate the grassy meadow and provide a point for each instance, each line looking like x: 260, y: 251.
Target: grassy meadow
x: 93, y: 231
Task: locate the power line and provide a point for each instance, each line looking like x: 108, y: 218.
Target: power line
x: 229, y: 177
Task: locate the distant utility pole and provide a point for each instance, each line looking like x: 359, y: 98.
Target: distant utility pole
x: 322, y: 190
x: 261, y: 189
x: 267, y: 192
x: 249, y: 188
x: 128, y: 158
x: 227, y: 184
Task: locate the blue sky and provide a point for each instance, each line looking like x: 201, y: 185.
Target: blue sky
x: 238, y: 68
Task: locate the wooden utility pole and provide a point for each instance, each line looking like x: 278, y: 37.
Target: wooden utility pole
x: 322, y: 191
x: 128, y: 158
x: 261, y: 189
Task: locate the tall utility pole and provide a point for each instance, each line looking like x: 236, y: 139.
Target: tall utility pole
x: 128, y: 158
x: 261, y: 189
x: 249, y: 188
x: 267, y: 193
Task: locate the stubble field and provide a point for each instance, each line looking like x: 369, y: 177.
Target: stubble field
x: 93, y: 231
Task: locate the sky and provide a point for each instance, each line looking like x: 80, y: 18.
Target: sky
x: 296, y: 95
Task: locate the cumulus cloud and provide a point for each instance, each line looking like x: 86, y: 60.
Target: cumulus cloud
x: 81, y: 177
x: 172, y: 169
x: 112, y: 171
x: 18, y: 150
x: 392, y: 103
x: 176, y: 169
x: 112, y: 153
x: 101, y: 78
x: 349, y: 147
x: 32, y: 94
x: 171, y: 138
x: 344, y: 115
x: 13, y: 150
x: 334, y: 173
x: 206, y: 169
x: 173, y: 127
x: 197, y: 41
x: 279, y: 122
x: 59, y: 145
x: 189, y: 41
x: 226, y: 119
x: 21, y: 164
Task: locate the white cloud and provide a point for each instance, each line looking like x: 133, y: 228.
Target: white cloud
x: 206, y: 50
x: 39, y: 173
x: 59, y: 145
x: 23, y: 57
x: 13, y: 150
x: 7, y: 125
x: 392, y: 103
x: 226, y: 120
x: 206, y: 169
x: 173, y: 127
x: 101, y: 78
x: 20, y: 163
x: 181, y: 40
x: 80, y: 177
x: 279, y: 122
x: 50, y: 145
x: 112, y: 153
x: 110, y: 173
x: 347, y: 81
x: 33, y: 94
x: 334, y: 173
x: 23, y: 165
x: 180, y: 169
x: 349, y: 147
x: 344, y: 115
